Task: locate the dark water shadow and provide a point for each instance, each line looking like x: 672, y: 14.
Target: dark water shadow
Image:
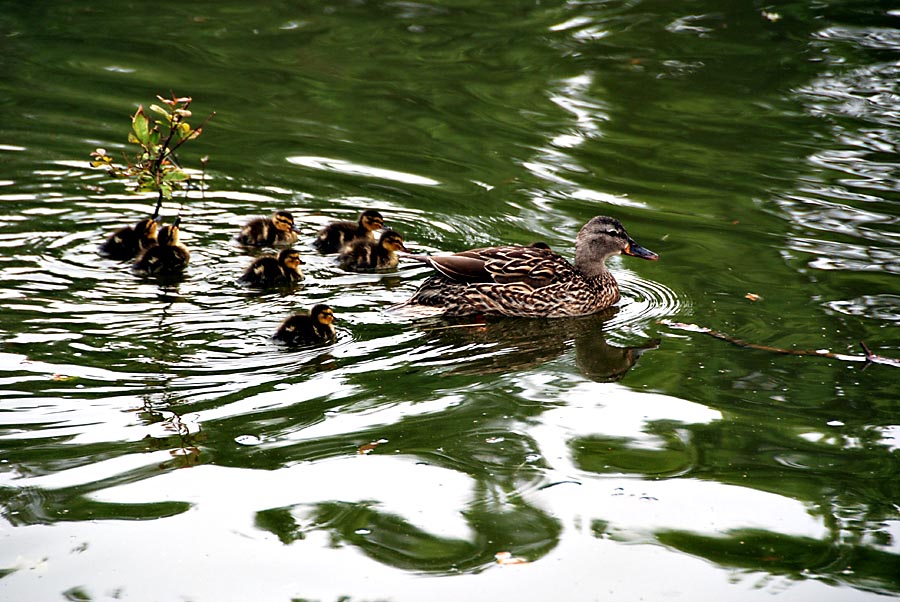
x: 507, y: 344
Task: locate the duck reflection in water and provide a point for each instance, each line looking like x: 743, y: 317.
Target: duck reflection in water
x: 507, y: 344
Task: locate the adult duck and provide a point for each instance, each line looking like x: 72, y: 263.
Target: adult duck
x: 531, y: 282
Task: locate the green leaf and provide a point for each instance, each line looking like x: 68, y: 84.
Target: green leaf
x: 175, y: 175
x: 140, y: 124
x: 161, y: 111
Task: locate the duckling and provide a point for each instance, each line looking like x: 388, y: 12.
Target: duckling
x: 310, y: 328
x: 530, y: 282
x: 167, y: 258
x: 365, y: 254
x: 270, y: 270
x: 128, y: 242
x: 279, y: 229
x: 335, y: 235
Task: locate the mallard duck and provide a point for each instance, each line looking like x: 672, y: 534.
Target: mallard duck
x: 365, y: 254
x: 167, y: 258
x: 304, y: 329
x: 129, y: 241
x: 335, y: 235
x: 279, y: 229
x: 271, y: 270
x: 530, y: 281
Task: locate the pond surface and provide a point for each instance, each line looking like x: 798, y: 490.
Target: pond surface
x: 155, y: 444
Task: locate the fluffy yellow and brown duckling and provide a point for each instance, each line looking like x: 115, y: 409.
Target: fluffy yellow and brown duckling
x: 127, y: 242
x: 278, y: 229
x: 271, y: 270
x: 308, y: 328
x: 168, y: 258
x: 530, y: 282
x: 365, y: 254
x: 335, y: 235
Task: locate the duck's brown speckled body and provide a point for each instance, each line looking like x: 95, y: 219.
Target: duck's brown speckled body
x: 530, y: 281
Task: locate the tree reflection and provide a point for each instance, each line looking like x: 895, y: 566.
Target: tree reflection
x: 845, y: 480
x: 395, y: 541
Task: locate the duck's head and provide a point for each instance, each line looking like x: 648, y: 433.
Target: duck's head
x: 371, y: 220
x: 147, y: 228
x: 284, y: 221
x: 601, y: 237
x: 290, y: 258
x: 322, y: 314
x: 168, y: 235
x: 392, y: 241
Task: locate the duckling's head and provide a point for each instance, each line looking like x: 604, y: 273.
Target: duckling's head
x: 168, y: 235
x: 290, y: 258
x: 392, y: 241
x: 284, y: 221
x: 146, y: 229
x: 371, y: 220
x: 322, y: 314
x: 601, y: 237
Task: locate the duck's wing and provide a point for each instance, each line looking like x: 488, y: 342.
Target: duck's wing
x: 532, y: 266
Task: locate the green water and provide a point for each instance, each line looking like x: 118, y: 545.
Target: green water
x: 155, y: 444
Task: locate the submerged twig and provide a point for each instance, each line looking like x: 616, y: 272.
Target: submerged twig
x: 868, y: 358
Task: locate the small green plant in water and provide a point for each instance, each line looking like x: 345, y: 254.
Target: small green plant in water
x: 155, y: 168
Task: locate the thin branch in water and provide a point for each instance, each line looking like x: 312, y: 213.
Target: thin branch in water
x: 868, y: 358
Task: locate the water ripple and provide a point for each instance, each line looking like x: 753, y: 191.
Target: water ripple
x: 645, y: 302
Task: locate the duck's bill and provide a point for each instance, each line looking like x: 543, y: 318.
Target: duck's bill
x: 295, y: 229
x: 636, y: 250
